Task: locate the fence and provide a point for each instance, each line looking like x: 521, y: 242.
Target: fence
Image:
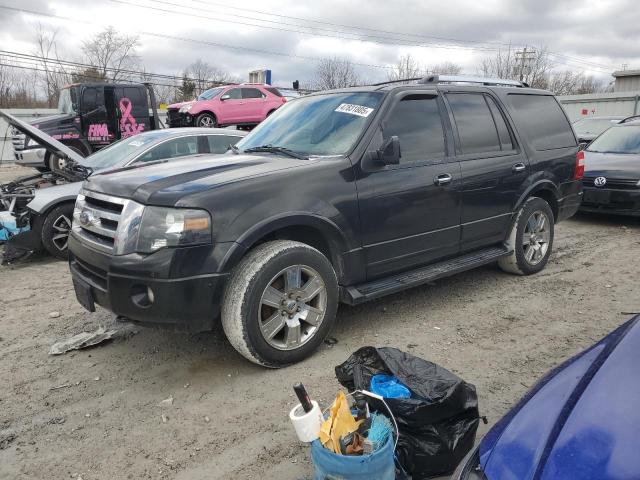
x: 601, y: 104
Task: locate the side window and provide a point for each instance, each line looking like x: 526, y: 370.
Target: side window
x: 251, y: 93
x: 417, y: 123
x: 476, y: 128
x: 178, y: 147
x: 542, y: 121
x: 89, y: 99
x: 506, y: 143
x: 234, y: 94
x: 220, y: 143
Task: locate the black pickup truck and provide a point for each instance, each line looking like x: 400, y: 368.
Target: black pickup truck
x: 340, y: 196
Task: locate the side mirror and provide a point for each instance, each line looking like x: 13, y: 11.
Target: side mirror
x: 389, y: 154
x: 582, y: 146
x: 224, y: 97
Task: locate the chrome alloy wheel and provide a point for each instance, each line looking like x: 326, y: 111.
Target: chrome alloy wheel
x: 206, y: 121
x: 292, y: 307
x: 536, y: 236
x: 61, y: 228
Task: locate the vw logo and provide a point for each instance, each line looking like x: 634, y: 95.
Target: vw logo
x: 600, y: 181
x: 86, y: 218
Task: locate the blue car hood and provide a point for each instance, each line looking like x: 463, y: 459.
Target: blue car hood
x: 581, y: 421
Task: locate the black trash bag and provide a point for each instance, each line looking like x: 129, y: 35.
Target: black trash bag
x: 437, y: 424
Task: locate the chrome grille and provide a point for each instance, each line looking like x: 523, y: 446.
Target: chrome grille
x: 105, y: 222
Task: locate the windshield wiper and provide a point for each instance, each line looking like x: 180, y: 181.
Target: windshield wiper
x: 275, y: 149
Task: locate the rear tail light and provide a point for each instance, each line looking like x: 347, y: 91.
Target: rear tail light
x: 579, y: 171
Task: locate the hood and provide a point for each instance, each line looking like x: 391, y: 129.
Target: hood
x: 165, y: 183
x: 180, y: 104
x: 50, y: 144
x: 580, y: 421
x: 612, y: 165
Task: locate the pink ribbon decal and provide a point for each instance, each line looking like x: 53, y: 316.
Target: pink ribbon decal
x: 128, y: 124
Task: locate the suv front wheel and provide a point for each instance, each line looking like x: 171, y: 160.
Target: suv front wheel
x: 280, y: 303
x: 530, y: 239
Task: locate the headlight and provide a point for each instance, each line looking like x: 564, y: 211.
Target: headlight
x: 173, y: 227
x: 469, y: 468
x: 186, y: 108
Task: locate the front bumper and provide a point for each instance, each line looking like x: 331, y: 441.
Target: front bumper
x: 612, y: 201
x: 182, y: 300
x: 32, y: 157
x: 177, y: 119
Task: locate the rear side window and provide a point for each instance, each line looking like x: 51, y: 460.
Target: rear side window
x: 220, y: 143
x: 417, y: 123
x: 542, y: 120
x: 251, y: 93
x: 506, y: 143
x: 274, y: 90
x: 476, y: 128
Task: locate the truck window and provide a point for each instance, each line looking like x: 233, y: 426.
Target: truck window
x: 89, y: 99
x: 417, y: 123
x: 542, y: 120
x: 476, y: 128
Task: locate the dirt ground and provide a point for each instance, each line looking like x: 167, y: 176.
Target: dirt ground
x: 229, y: 419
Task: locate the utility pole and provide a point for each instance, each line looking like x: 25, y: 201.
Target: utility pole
x: 525, y: 58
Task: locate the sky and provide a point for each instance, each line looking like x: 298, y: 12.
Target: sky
x: 592, y: 36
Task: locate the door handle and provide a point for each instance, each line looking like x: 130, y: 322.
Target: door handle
x: 443, y: 179
x: 518, y: 167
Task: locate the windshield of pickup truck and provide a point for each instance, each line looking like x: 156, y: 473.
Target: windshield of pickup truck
x: 327, y: 124
x: 65, y: 102
x: 624, y: 139
x: 209, y: 94
x: 121, y: 151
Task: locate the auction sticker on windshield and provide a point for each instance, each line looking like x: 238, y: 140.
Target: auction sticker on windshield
x: 358, y: 110
x: 136, y: 143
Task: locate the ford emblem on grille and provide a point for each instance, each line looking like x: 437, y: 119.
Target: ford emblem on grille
x: 600, y: 181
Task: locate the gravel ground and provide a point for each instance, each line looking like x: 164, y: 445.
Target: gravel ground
x: 228, y: 418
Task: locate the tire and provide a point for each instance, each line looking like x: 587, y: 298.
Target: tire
x: 257, y: 297
x: 49, y: 158
x: 530, y: 238
x: 54, y: 231
x: 206, y: 120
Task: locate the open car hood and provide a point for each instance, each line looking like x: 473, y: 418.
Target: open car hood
x: 46, y: 141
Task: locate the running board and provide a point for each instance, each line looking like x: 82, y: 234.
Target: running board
x: 388, y: 285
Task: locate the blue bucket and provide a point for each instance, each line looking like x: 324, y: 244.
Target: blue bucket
x: 378, y: 465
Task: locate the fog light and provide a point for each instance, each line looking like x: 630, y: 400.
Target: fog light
x: 142, y: 296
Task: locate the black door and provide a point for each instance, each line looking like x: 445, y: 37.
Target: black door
x: 410, y: 212
x: 95, y: 127
x: 493, y: 168
x: 132, y: 109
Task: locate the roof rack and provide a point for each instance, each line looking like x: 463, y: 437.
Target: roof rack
x: 632, y: 118
x: 489, y: 82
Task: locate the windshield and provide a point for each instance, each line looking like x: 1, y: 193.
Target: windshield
x: 121, y: 152
x: 618, y: 140
x: 209, y: 94
x: 316, y: 125
x: 65, y: 103
x: 593, y: 125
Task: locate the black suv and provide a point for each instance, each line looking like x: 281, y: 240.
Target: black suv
x: 341, y: 196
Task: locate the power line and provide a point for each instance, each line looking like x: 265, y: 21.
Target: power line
x: 358, y: 37
x: 190, y: 40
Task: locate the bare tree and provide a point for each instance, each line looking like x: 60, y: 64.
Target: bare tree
x: 54, y: 75
x: 111, y: 53
x: 573, y: 83
x: 529, y: 65
x: 406, y: 67
x: 445, y: 68
x: 205, y: 75
x: 335, y: 73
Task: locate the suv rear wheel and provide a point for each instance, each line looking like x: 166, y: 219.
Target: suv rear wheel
x: 531, y: 238
x: 280, y: 303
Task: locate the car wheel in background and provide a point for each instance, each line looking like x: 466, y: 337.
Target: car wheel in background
x: 530, y: 239
x: 52, y: 161
x: 206, y: 120
x: 55, y: 230
x: 280, y: 303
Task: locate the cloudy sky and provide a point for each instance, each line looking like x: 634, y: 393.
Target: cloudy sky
x: 287, y: 36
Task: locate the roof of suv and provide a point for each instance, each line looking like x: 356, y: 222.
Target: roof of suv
x: 433, y: 86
